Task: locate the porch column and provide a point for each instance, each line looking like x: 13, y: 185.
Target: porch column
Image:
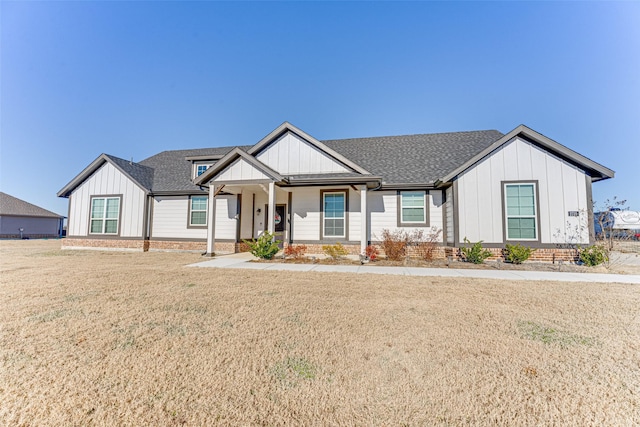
x: 364, y: 226
x: 271, y: 224
x: 211, y: 221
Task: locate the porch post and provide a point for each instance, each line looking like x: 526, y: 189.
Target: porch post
x: 364, y: 226
x: 211, y: 222
x: 271, y: 225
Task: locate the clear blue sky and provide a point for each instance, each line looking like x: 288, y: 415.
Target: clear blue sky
x: 135, y: 78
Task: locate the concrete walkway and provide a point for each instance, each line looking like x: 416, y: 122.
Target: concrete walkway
x: 242, y: 261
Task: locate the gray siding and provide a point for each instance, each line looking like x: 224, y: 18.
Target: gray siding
x: 33, y: 226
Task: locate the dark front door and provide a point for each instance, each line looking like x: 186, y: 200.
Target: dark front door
x: 280, y: 222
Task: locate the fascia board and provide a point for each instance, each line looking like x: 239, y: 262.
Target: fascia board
x: 540, y: 139
x: 89, y: 170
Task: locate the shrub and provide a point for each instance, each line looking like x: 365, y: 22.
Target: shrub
x: 517, y: 254
x: 334, y: 251
x: 264, y: 247
x: 371, y: 252
x: 394, y: 244
x: 593, y: 255
x: 295, y: 251
x: 476, y: 253
x: 425, y: 245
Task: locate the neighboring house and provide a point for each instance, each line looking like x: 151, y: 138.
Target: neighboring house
x: 519, y: 187
x: 20, y: 219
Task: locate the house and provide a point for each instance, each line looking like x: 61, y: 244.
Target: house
x: 519, y: 187
x: 20, y: 219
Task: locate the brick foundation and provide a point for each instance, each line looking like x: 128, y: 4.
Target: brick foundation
x: 440, y: 252
x: 107, y: 244
x: 168, y: 245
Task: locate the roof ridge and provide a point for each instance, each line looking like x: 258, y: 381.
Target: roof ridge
x: 414, y: 135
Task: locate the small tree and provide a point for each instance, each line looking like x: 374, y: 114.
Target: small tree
x: 425, y: 243
x: 605, y: 220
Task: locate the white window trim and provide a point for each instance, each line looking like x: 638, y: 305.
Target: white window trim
x: 535, y: 212
x: 104, y: 218
x: 424, y: 207
x: 343, y: 218
x: 197, y: 165
x: 206, y: 208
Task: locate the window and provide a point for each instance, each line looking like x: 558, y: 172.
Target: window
x: 198, y: 211
x: 413, y: 207
x: 105, y: 212
x: 200, y: 169
x: 334, y: 214
x: 520, y: 205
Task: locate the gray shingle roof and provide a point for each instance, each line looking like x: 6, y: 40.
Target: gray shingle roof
x: 141, y: 173
x: 414, y: 159
x: 10, y: 205
x: 173, y: 173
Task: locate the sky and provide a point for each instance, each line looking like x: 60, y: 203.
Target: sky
x: 133, y: 79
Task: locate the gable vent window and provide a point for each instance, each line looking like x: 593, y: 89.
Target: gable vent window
x: 198, y: 211
x: 105, y: 214
x: 521, y: 211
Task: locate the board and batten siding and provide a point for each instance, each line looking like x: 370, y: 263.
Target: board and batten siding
x: 561, y: 188
x: 449, y: 218
x: 107, y: 181
x: 240, y: 170
x: 292, y: 155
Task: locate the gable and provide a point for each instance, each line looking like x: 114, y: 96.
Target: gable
x: 292, y: 155
x: 241, y: 170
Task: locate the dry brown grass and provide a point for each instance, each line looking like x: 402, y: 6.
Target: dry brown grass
x: 108, y: 338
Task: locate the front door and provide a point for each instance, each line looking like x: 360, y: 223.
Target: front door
x: 280, y: 222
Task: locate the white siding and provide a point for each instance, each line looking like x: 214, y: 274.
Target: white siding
x: 170, y: 219
x: 291, y: 155
x: 240, y: 170
x: 107, y: 181
x: 247, y: 217
x: 383, y: 211
x: 226, y: 218
x: 449, y: 208
x: 561, y: 188
x: 306, y: 213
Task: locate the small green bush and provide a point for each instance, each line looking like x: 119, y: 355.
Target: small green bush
x: 265, y: 247
x: 593, y: 255
x: 335, y: 251
x: 517, y: 254
x: 476, y: 253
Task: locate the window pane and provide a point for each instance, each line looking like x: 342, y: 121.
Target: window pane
x: 413, y: 215
x: 111, y: 226
x: 112, y: 208
x: 334, y: 227
x: 97, y: 208
x: 96, y: 226
x: 198, y: 218
x: 198, y: 203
